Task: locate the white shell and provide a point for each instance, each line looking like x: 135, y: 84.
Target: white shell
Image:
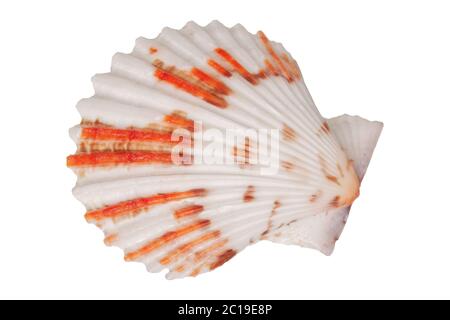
x: 192, y: 218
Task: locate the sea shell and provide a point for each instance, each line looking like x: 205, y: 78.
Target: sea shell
x: 182, y: 209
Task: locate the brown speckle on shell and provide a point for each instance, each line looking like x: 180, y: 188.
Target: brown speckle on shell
x: 287, y: 165
x: 222, y: 258
x: 276, y: 205
x: 314, y: 197
x: 335, y: 202
x: 325, y: 128
x: 242, y: 155
x: 249, y: 194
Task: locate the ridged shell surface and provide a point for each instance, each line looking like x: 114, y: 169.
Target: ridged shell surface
x: 151, y: 179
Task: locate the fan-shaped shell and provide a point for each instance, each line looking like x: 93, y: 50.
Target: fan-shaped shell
x: 192, y: 216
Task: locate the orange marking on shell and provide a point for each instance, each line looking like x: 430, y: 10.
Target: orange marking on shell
x: 219, y: 68
x: 288, y: 133
x: 236, y: 65
x: 335, y: 202
x: 261, y: 74
x: 118, y: 158
x: 293, y: 67
x: 325, y: 128
x: 274, y: 55
x: 95, y: 123
x: 137, y: 205
x: 222, y: 258
x: 276, y: 205
x: 105, y: 134
x: 195, y: 272
x: 242, y: 156
x: 272, y: 70
x: 249, y: 194
x: 166, y: 238
x: 90, y: 146
x: 349, y: 164
x: 179, y: 268
x: 110, y: 239
x: 324, y: 169
x: 83, y: 147
x: 287, y: 165
x: 265, y: 233
x: 190, y: 88
x: 285, y: 57
x: 333, y: 179
x: 171, y: 256
x: 180, y: 121
x: 152, y: 50
x: 199, y: 255
x: 188, y: 211
x: 315, y: 196
x: 217, y: 85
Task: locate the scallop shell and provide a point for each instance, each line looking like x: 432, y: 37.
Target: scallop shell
x: 150, y: 175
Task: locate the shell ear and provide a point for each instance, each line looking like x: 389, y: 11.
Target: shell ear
x: 358, y: 137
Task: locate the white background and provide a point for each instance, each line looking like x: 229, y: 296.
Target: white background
x: 383, y: 60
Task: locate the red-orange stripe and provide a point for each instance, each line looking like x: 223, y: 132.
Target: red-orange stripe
x: 118, y: 158
x: 188, y: 246
x: 196, y: 271
x: 219, y: 68
x: 271, y: 67
x: 166, y: 238
x: 106, y: 134
x: 222, y: 258
x: 179, y: 121
x: 188, y: 211
x: 199, y: 255
x: 190, y: 88
x: 179, y: 268
x: 333, y: 179
x: 212, y: 82
x: 136, y: 205
x: 236, y: 65
x: 274, y: 55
